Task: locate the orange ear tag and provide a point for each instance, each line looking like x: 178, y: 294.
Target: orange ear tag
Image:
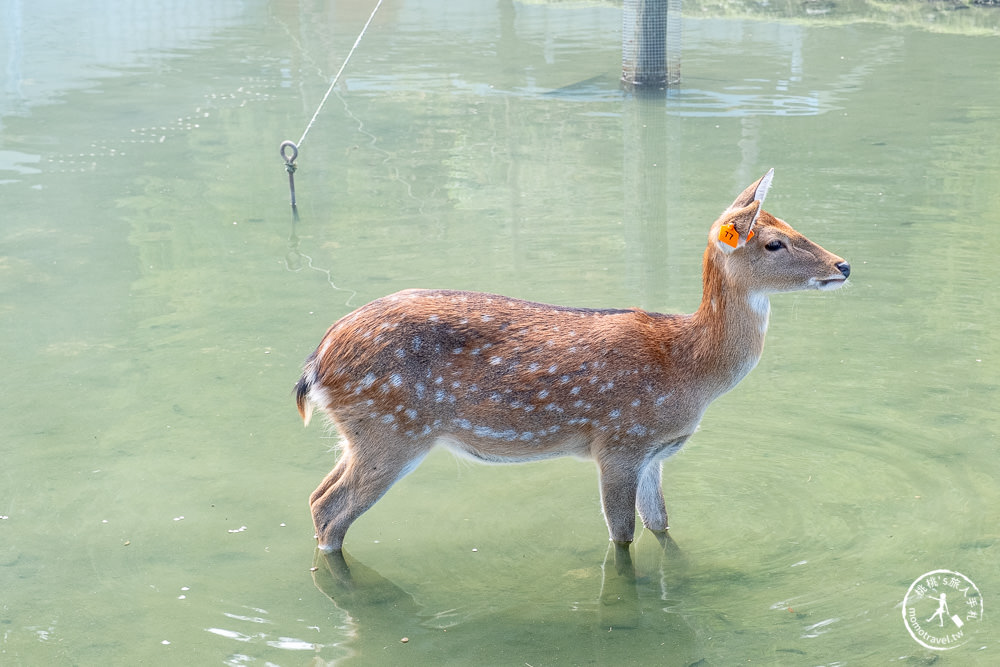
x: 729, y: 235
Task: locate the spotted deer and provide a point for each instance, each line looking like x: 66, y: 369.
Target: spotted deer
x: 503, y: 380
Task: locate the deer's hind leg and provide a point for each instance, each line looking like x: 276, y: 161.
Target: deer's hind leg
x: 649, y: 498
x: 370, y: 463
x: 649, y: 495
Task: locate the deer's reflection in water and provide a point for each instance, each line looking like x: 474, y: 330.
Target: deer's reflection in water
x: 632, y: 590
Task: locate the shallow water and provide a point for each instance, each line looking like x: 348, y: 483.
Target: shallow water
x: 158, y: 300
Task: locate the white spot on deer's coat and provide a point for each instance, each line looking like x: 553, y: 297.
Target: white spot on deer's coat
x: 637, y: 429
x: 420, y: 389
x: 487, y: 432
x: 396, y: 380
x: 543, y: 393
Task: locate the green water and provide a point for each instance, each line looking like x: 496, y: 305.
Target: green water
x: 158, y: 301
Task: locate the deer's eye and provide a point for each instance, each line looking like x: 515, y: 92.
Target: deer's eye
x: 774, y: 245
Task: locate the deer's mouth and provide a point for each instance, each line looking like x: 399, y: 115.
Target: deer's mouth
x: 829, y: 283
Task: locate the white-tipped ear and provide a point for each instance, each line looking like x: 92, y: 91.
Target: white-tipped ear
x: 755, y: 192
x: 762, y: 187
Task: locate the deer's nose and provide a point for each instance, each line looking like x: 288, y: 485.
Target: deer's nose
x: 844, y: 268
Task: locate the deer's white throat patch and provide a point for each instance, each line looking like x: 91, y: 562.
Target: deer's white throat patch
x: 760, y: 304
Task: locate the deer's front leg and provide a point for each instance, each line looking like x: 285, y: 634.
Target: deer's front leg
x: 619, y: 482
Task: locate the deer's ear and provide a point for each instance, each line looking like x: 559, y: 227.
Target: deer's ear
x: 754, y: 193
x: 735, y: 227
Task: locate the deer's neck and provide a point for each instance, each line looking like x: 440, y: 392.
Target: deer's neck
x: 729, y: 325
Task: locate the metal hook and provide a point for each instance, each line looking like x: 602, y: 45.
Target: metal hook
x: 295, y: 153
x: 290, y: 166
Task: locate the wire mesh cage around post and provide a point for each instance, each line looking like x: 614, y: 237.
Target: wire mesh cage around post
x: 651, y: 44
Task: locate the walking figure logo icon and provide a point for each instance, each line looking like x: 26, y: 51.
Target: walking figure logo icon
x: 931, y: 591
x: 942, y: 610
